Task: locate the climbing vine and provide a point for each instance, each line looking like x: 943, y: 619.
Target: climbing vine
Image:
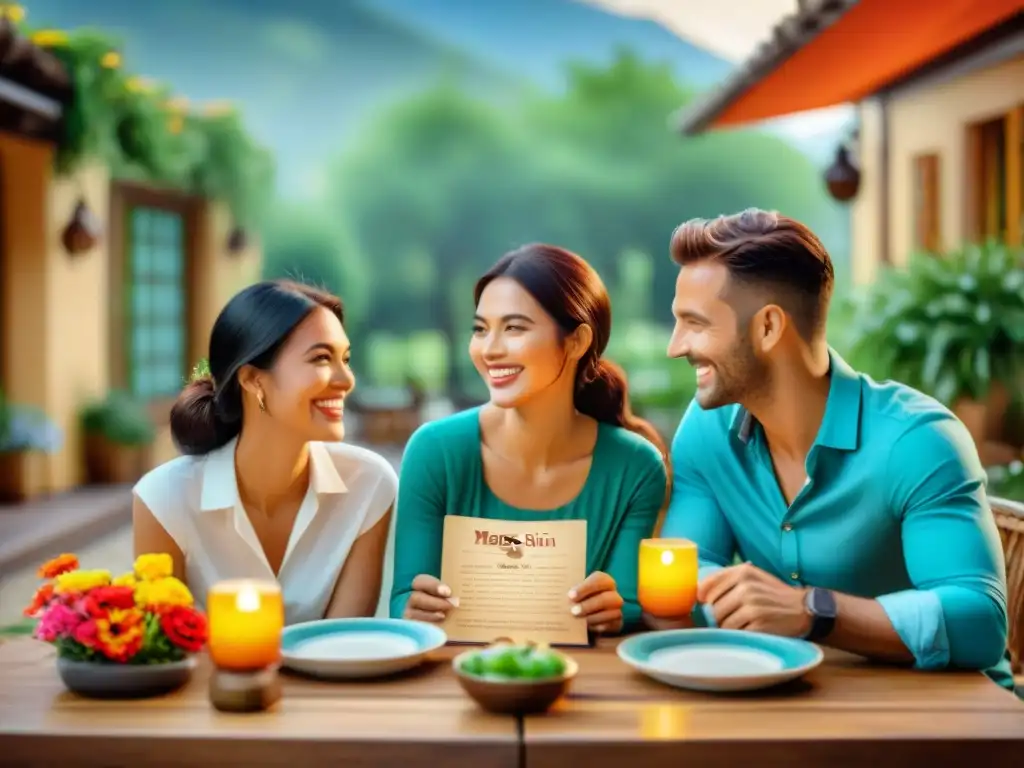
x: 142, y: 132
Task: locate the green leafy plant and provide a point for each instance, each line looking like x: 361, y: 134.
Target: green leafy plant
x: 120, y: 419
x: 949, y: 325
x: 1007, y: 481
x: 142, y: 133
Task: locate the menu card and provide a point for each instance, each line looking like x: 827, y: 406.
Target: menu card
x: 511, y: 579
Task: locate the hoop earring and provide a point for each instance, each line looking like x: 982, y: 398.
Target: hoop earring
x: 263, y: 405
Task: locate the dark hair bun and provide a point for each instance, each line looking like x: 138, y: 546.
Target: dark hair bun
x: 195, y: 426
x: 250, y: 330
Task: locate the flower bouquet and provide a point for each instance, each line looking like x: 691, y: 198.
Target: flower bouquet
x: 129, y: 636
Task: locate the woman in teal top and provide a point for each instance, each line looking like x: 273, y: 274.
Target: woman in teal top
x: 556, y: 442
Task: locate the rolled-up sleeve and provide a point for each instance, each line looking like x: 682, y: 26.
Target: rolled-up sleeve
x: 956, y: 614
x: 693, y: 511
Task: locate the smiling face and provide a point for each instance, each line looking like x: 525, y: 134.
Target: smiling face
x: 712, y: 338
x: 305, y: 389
x: 517, y: 347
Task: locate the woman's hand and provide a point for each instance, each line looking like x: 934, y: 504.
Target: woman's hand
x: 428, y: 600
x: 598, y: 599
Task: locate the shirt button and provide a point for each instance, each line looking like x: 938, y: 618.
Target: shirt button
x: 794, y: 576
x: 787, y: 527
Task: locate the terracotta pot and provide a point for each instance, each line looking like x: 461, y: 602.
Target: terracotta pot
x: 974, y: 415
x: 986, y: 421
x: 22, y: 475
x: 997, y: 404
x: 107, y: 462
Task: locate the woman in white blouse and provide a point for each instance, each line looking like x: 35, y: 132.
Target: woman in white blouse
x: 265, y: 489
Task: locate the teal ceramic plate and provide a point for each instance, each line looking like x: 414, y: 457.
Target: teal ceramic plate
x: 719, y: 659
x: 357, y: 648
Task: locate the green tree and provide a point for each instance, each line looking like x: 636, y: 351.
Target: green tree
x: 306, y: 244
x: 437, y: 187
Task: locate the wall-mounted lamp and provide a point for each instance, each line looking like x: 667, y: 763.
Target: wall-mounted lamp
x: 83, y: 231
x: 237, y: 240
x: 843, y: 177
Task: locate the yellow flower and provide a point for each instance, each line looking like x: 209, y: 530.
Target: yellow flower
x: 175, y: 124
x: 81, y: 581
x: 50, y: 38
x: 125, y: 580
x: 111, y: 60
x: 119, y: 635
x: 13, y: 12
x: 140, y: 85
x: 153, y: 567
x: 162, y: 593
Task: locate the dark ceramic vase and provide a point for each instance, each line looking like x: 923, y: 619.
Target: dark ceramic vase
x: 124, y: 681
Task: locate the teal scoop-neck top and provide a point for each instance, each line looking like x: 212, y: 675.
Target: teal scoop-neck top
x: 442, y: 474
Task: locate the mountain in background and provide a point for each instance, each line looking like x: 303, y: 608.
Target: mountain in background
x: 535, y: 38
x: 307, y: 74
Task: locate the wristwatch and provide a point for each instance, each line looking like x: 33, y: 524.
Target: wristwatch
x: 821, y: 605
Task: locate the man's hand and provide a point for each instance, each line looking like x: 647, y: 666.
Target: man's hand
x: 745, y: 597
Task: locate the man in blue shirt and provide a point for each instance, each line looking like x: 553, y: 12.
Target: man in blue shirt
x: 858, y: 507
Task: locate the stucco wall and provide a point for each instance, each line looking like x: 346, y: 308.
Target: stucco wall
x: 927, y: 119
x: 55, y: 308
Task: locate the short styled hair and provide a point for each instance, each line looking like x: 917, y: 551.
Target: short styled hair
x: 763, y: 249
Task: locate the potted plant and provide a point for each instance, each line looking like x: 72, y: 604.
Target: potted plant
x: 125, y: 637
x: 1007, y: 481
x: 118, y: 433
x: 26, y: 435
x: 951, y: 326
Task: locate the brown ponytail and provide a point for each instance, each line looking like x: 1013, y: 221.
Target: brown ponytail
x: 603, y: 394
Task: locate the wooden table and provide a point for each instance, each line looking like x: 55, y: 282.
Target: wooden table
x: 419, y: 719
x: 845, y: 713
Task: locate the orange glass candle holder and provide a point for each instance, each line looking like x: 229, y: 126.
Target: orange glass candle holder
x: 667, y: 582
x: 245, y: 620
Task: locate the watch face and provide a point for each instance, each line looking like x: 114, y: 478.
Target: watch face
x: 822, y: 603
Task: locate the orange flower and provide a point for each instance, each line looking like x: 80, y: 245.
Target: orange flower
x: 119, y: 635
x: 60, y: 564
x: 42, y: 596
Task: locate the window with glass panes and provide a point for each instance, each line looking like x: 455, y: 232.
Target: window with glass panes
x: 156, y: 327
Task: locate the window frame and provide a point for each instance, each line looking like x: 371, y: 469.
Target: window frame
x: 126, y: 197
x: 927, y: 202
x: 981, y: 169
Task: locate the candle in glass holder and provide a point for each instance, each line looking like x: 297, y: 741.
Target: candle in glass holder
x: 245, y: 621
x: 667, y: 583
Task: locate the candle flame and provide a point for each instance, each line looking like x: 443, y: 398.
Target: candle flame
x: 247, y: 600
x: 667, y: 557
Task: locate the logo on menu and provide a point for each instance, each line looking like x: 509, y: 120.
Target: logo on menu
x: 512, y: 544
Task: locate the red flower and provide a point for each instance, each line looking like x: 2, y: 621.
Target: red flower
x: 98, y: 602
x: 40, y: 600
x: 185, y: 627
x: 86, y: 634
x: 58, y: 565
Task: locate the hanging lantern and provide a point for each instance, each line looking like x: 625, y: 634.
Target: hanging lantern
x: 237, y: 240
x: 83, y: 231
x: 843, y: 177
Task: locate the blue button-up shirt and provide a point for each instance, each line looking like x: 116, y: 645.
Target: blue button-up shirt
x: 894, y: 509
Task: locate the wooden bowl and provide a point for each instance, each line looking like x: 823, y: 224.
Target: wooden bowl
x: 514, y: 696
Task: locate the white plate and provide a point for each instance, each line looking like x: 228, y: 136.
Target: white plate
x: 358, y: 648
x: 719, y: 659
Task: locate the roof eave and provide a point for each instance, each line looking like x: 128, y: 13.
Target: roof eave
x: 791, y: 34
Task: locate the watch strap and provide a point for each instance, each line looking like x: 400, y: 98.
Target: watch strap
x: 821, y: 604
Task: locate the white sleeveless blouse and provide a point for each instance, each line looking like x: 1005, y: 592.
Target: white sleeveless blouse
x: 195, y: 499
